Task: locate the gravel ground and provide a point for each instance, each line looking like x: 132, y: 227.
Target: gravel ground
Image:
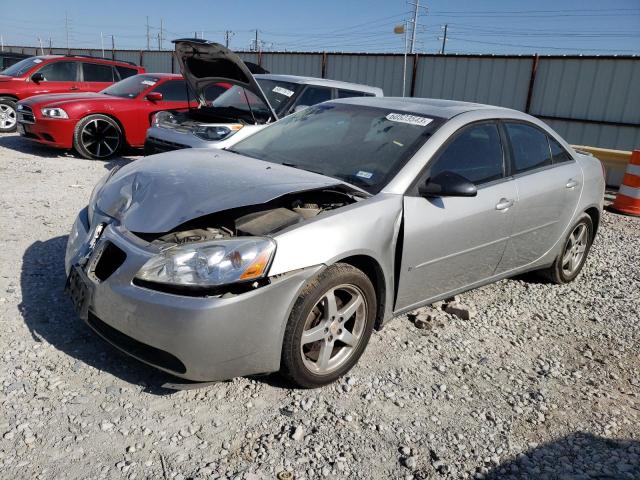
x: 543, y: 383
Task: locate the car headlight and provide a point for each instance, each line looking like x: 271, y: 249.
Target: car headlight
x: 163, y: 118
x: 54, y: 113
x: 216, y: 132
x: 211, y: 263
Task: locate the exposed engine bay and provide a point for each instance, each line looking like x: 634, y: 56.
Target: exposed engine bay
x: 257, y: 220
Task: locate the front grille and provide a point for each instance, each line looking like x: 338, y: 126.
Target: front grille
x: 156, y: 145
x: 144, y: 352
x: 110, y: 260
x: 25, y: 115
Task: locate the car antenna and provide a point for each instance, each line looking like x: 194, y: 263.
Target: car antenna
x: 246, y: 97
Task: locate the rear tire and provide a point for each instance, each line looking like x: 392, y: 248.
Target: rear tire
x: 575, y: 249
x: 329, y: 326
x: 8, y: 115
x: 97, y: 137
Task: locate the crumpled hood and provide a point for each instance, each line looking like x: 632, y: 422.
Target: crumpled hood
x: 59, y: 99
x: 160, y: 192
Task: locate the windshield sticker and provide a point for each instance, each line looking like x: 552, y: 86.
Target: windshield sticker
x: 151, y: 83
x: 363, y: 174
x: 283, y: 91
x: 37, y: 60
x: 410, y: 119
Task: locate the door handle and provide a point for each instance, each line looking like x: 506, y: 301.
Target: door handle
x: 504, y: 204
x: 571, y: 183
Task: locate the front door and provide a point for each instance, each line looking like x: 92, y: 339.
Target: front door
x: 454, y: 242
x: 58, y: 77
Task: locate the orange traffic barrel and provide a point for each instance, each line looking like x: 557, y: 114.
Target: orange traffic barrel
x: 628, y: 199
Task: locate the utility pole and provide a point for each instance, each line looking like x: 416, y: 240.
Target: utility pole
x: 148, y: 35
x: 50, y: 45
x: 256, y: 41
x: 161, y: 37
x: 66, y: 28
x: 102, y: 43
x: 415, y: 24
x: 113, y: 46
x: 444, y: 38
x: 41, y: 47
x: 1, y: 44
x: 227, y: 35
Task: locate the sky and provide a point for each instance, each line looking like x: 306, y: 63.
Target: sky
x: 481, y: 26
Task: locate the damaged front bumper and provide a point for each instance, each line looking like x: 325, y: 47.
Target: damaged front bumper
x: 198, y: 338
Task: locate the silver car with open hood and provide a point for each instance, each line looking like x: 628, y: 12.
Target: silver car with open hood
x: 249, y: 105
x: 286, y: 251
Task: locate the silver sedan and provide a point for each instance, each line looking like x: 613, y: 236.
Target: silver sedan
x: 285, y: 252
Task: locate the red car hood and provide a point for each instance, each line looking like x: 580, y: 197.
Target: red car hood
x: 5, y: 78
x: 59, y: 99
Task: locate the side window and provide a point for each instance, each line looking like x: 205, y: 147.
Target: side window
x: 173, y: 91
x: 60, y: 72
x: 352, y: 93
x: 126, y: 72
x: 313, y: 95
x: 530, y: 147
x: 475, y: 153
x: 96, y: 72
x: 558, y: 153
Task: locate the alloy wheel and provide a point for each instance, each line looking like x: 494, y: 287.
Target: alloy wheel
x: 7, y: 117
x: 575, y: 249
x: 333, y: 329
x: 100, y: 138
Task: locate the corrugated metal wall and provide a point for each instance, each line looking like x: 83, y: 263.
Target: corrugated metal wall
x: 496, y: 81
x: 293, y: 63
x: 588, y: 100
x: 384, y: 71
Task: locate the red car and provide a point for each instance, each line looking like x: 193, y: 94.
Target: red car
x: 97, y: 125
x: 56, y: 74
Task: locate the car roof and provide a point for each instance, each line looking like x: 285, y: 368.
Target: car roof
x: 87, y: 57
x: 425, y: 106
x: 324, y: 82
x: 163, y: 75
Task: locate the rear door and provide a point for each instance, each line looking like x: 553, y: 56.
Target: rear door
x: 59, y: 77
x: 97, y: 76
x: 454, y: 242
x: 549, y: 183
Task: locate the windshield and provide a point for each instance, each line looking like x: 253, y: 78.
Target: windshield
x: 22, y: 67
x: 277, y: 93
x: 131, y: 87
x: 364, y: 146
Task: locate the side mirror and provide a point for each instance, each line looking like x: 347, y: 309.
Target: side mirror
x: 154, y: 96
x: 448, y: 184
x: 37, y: 77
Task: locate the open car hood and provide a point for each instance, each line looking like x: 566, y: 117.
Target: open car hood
x: 204, y: 63
x: 158, y: 193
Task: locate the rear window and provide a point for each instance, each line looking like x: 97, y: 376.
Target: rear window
x: 126, y: 72
x: 96, y: 72
x: 352, y: 93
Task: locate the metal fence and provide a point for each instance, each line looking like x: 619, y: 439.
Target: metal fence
x: 590, y: 100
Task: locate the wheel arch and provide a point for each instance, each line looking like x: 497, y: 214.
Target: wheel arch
x: 10, y: 95
x: 373, y: 270
x: 594, y: 213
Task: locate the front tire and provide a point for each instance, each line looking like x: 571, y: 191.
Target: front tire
x: 329, y: 326
x: 574, y: 253
x: 8, y: 116
x: 97, y: 137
